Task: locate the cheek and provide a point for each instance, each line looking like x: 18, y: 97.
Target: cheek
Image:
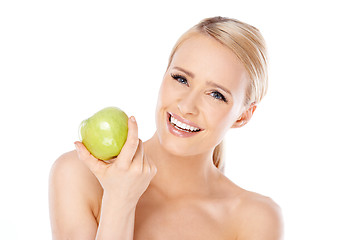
x: 164, y: 95
x: 165, y: 100
x: 220, y: 120
x: 169, y: 93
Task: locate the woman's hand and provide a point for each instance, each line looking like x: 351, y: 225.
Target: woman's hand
x: 126, y: 177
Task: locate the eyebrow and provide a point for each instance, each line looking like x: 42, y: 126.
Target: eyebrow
x: 186, y: 72
x: 192, y: 75
x: 218, y: 86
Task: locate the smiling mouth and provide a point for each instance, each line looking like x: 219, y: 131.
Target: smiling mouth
x: 182, y: 126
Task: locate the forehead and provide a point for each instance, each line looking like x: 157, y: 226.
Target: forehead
x: 209, y: 60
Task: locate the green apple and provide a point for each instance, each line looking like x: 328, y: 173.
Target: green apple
x: 104, y: 134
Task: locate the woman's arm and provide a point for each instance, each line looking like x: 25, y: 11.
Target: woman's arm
x: 73, y: 193
x: 123, y: 181
x: 73, y: 190
x: 117, y: 220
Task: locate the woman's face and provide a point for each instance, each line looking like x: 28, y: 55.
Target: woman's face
x: 201, y: 96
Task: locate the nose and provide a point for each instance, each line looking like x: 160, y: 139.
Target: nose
x: 188, y: 103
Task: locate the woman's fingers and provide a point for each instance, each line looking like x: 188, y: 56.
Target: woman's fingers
x: 131, y: 155
x: 131, y: 145
x: 90, y: 161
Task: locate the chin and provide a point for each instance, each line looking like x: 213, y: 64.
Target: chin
x: 176, y: 149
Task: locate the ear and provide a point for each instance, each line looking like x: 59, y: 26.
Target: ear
x: 245, y: 116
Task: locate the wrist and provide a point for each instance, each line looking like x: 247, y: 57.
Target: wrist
x: 117, y: 202
x: 117, y: 218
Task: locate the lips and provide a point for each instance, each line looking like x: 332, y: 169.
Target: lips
x: 177, y: 117
x: 181, y: 127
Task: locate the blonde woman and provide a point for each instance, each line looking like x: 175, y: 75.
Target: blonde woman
x: 172, y: 186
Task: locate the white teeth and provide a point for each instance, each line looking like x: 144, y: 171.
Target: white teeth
x: 183, y: 125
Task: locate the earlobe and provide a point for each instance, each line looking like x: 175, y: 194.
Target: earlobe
x: 239, y: 123
x: 245, y: 117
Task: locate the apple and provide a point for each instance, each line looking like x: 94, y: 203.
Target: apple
x: 104, y: 134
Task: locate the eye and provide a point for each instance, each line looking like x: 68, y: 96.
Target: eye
x: 180, y: 79
x: 219, y: 96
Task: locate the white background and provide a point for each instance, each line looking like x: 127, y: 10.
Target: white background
x: 61, y: 61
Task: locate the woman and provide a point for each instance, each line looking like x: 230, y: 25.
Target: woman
x: 172, y: 186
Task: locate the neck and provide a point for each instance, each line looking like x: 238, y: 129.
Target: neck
x: 180, y: 175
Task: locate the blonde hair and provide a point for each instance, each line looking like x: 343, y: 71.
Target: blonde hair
x: 247, y: 43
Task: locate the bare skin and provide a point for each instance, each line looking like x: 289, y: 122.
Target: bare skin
x: 214, y: 209
x: 228, y: 212
x: 168, y: 187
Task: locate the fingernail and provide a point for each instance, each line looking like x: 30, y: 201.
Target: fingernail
x: 132, y: 118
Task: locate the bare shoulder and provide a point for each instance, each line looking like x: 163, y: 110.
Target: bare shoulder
x: 258, y: 217
x: 253, y: 216
x: 74, y: 196
x: 68, y: 165
x: 69, y: 172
